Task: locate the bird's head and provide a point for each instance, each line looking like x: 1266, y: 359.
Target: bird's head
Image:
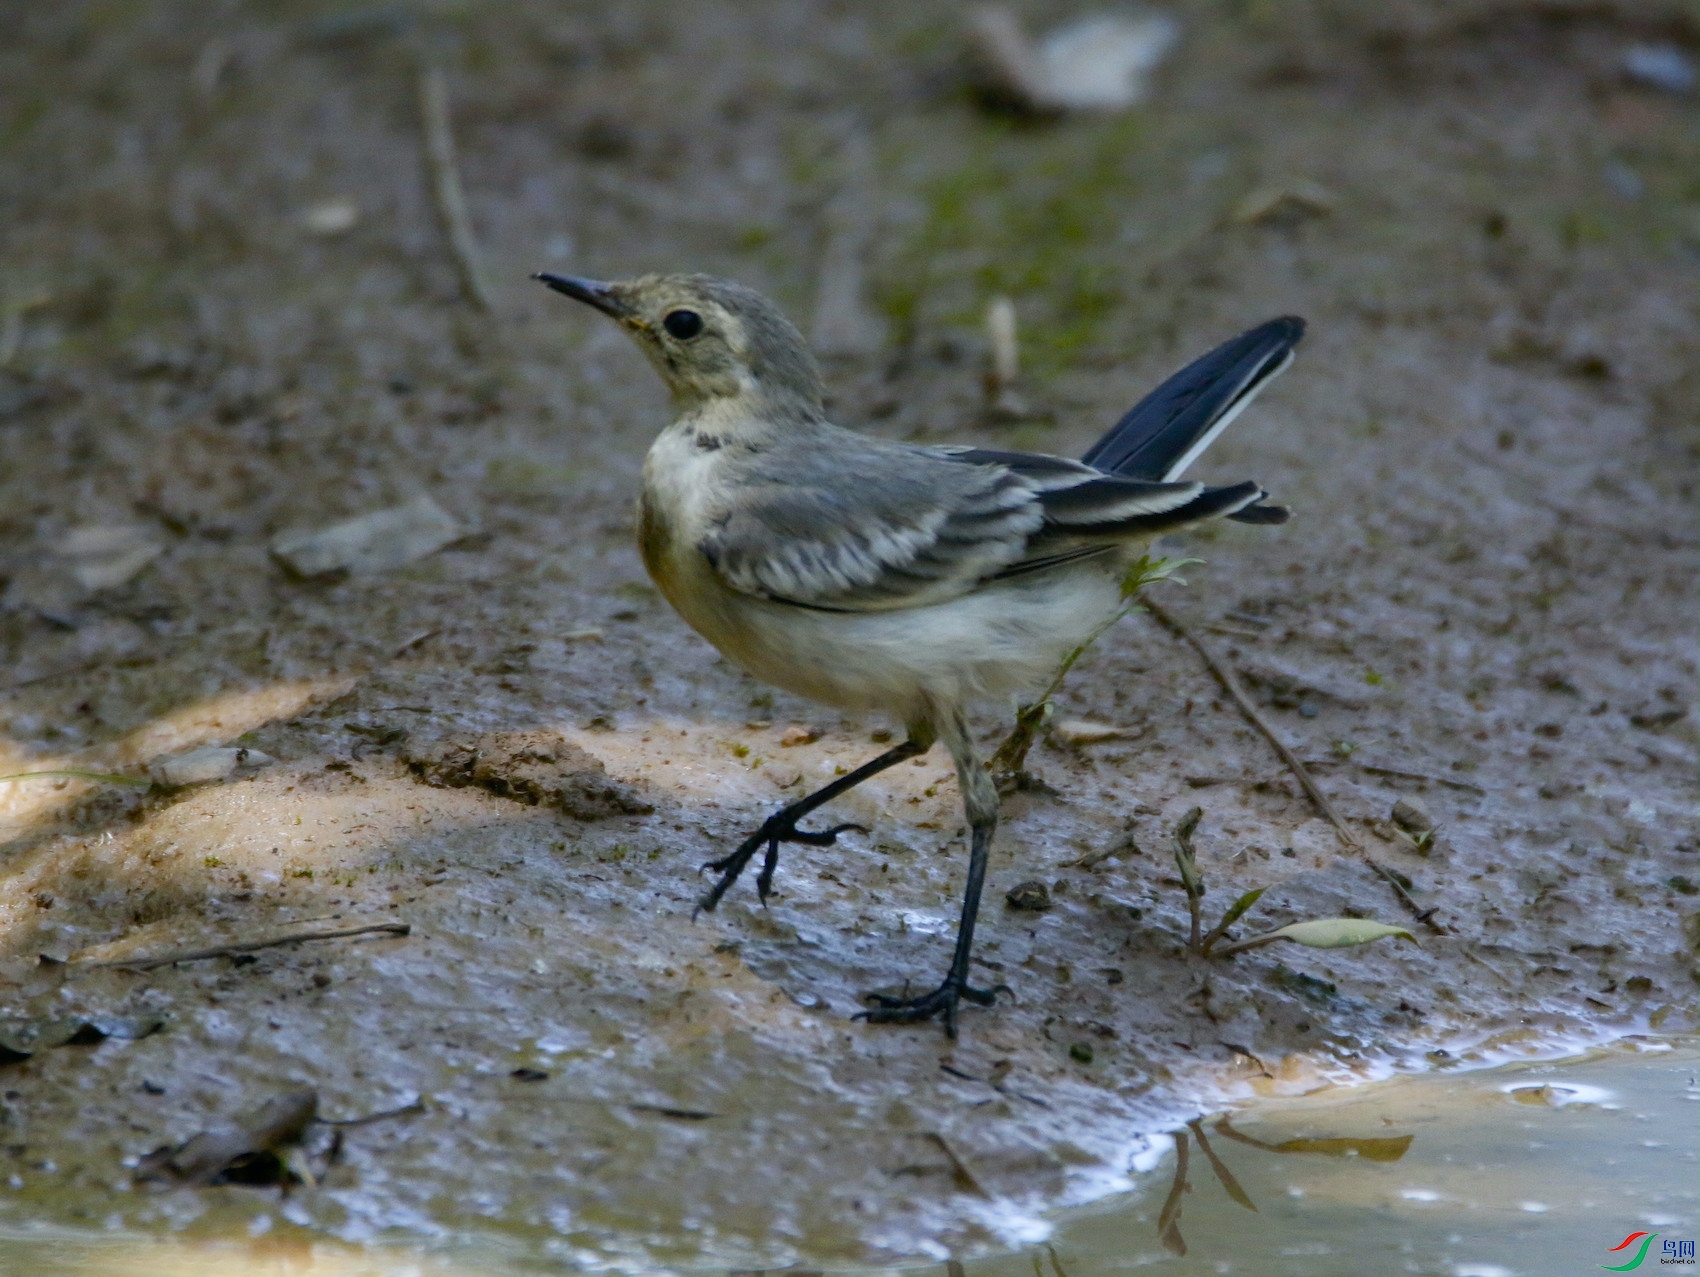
x: 710, y: 339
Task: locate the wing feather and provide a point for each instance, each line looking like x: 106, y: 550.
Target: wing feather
x: 872, y: 525
x: 868, y: 525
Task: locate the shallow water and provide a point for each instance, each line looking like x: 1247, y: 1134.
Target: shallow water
x: 1520, y: 1170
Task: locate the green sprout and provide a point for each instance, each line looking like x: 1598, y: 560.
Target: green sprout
x: 1314, y: 933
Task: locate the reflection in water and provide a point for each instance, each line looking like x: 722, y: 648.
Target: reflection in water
x: 1224, y: 1176
x: 1168, y: 1223
x: 1382, y: 1149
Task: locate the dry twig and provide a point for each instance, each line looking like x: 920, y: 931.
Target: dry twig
x: 1231, y: 685
x: 416, y: 1105
x: 1396, y: 773
x: 445, y: 183
x: 960, y: 1175
x: 1294, y: 763
x: 1003, y: 372
x: 250, y: 946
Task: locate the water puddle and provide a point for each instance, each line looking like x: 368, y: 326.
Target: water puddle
x: 1530, y: 1170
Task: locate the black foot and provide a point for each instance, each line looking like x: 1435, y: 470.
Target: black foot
x: 940, y: 1002
x: 777, y: 828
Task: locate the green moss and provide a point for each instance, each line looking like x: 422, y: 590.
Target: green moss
x: 1029, y: 212
x: 753, y: 237
x: 24, y: 117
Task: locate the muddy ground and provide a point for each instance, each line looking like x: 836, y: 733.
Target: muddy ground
x: 231, y: 311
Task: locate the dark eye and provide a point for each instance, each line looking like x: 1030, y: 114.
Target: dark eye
x: 683, y: 324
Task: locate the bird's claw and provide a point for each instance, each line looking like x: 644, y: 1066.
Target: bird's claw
x: 777, y: 828
x: 940, y: 1002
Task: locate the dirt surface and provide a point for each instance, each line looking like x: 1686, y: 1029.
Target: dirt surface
x: 230, y: 312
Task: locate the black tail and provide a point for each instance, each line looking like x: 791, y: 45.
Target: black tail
x: 1164, y: 432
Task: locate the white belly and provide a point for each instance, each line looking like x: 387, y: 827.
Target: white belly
x: 1004, y: 640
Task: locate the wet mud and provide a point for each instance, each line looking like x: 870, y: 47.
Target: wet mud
x: 1485, y: 603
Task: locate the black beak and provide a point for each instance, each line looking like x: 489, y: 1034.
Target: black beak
x: 588, y: 291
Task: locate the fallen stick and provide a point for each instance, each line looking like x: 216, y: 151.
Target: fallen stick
x: 250, y: 946
x: 414, y: 1106
x: 1003, y: 373
x: 72, y: 773
x: 1397, y: 774
x: 445, y: 183
x: 1294, y: 763
x: 1225, y: 677
x: 960, y: 1175
x: 1203, y: 782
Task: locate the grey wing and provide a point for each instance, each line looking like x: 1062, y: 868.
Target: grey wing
x: 869, y: 525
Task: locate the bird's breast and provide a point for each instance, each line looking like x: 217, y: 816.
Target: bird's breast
x: 680, y: 482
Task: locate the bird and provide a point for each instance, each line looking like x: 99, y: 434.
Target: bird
x: 910, y: 579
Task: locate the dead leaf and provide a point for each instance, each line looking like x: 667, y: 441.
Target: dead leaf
x: 248, y: 1149
x: 1324, y: 933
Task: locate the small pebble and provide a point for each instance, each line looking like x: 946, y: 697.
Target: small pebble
x: 1080, y: 1053
x: 107, y: 555
x: 1625, y: 182
x: 1411, y: 816
x: 1097, y: 62
x: 331, y: 217
x: 1030, y: 897
x: 213, y: 762
x: 1660, y: 66
x: 1075, y: 732
x: 1288, y: 201
x: 376, y: 542
x: 799, y: 735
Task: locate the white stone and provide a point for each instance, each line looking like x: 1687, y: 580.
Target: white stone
x: 107, y: 555
x: 373, y: 543
x: 331, y: 217
x: 211, y: 762
x: 1075, y: 732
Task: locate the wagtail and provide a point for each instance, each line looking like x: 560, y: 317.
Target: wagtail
x: 905, y: 578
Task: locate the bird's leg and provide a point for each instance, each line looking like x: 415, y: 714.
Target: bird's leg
x: 980, y: 798
x: 782, y: 825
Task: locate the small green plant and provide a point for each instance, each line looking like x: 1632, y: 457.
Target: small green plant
x: 1315, y: 933
x: 1186, y: 860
